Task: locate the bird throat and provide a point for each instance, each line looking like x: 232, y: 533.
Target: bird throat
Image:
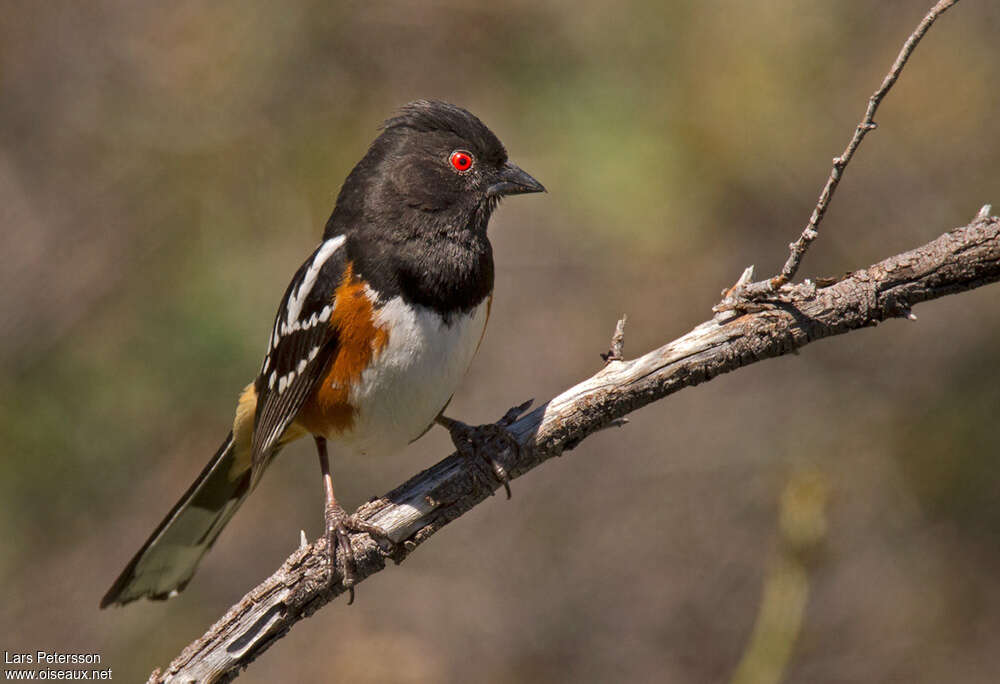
x: 431, y: 261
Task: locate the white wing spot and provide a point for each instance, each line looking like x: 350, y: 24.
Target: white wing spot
x: 285, y: 381
x: 298, y: 297
x: 317, y: 318
x: 301, y: 367
x: 275, y: 337
x: 270, y: 380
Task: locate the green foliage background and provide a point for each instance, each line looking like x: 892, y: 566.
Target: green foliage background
x: 165, y: 167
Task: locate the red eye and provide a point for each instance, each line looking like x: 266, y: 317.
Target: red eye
x: 461, y: 160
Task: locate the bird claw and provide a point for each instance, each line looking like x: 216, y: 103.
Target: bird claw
x: 339, y: 526
x: 475, y: 444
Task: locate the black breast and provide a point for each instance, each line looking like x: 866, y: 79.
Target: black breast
x: 451, y: 274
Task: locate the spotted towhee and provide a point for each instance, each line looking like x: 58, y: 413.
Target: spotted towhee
x: 372, y: 336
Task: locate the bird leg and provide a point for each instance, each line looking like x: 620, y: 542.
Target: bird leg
x: 480, y: 443
x: 339, y: 525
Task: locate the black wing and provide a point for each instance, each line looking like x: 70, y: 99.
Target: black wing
x: 302, y: 342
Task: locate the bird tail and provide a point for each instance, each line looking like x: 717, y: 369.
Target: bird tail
x: 165, y: 563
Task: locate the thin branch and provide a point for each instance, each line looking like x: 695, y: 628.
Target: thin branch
x: 963, y: 259
x: 811, y: 232
x: 799, y: 247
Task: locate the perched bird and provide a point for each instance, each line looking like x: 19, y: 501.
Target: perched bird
x: 373, y: 335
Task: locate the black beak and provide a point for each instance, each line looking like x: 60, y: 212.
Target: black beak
x: 513, y: 181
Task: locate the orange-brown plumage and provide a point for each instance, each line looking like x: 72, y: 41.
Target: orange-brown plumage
x: 328, y: 409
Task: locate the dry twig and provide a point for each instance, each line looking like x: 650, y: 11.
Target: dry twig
x: 614, y: 353
x: 798, y: 248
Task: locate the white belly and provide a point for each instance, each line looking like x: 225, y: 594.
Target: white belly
x: 408, y: 384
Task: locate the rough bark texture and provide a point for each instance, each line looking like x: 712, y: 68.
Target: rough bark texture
x: 960, y: 260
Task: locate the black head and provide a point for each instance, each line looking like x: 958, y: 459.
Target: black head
x: 433, y: 164
x: 416, y: 207
x: 449, y: 156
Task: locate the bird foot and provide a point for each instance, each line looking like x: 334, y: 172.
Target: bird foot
x: 339, y: 526
x: 481, y: 444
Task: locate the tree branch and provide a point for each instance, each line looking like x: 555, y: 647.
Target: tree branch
x: 960, y: 260
x: 811, y: 231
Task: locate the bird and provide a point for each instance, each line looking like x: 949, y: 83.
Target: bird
x: 372, y: 336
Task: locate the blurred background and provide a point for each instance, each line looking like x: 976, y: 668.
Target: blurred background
x: 827, y: 517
